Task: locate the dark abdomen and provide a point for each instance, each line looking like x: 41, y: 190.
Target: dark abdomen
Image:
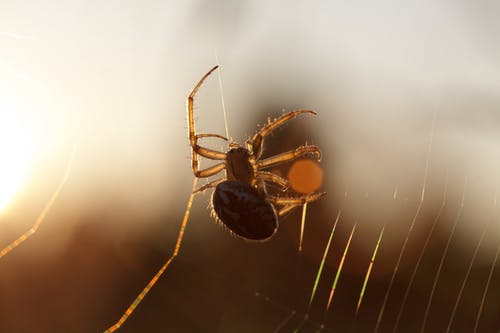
x: 244, y: 210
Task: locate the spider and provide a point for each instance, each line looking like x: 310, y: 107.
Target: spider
x: 240, y: 200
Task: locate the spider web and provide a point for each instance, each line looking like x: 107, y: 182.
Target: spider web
x: 435, y: 284
x: 404, y: 270
x: 431, y: 280
x: 221, y: 284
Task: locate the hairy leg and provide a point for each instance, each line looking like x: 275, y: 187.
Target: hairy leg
x: 255, y: 144
x: 289, y: 156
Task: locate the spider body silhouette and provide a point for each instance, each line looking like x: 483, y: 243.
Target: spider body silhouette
x: 244, y: 210
x: 240, y: 200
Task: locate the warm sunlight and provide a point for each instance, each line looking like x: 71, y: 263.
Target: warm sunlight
x: 13, y: 154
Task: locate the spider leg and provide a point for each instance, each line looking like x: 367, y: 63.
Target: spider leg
x: 211, y: 136
x: 193, y: 138
x: 288, y: 156
x: 210, y: 185
x: 208, y: 153
x: 190, y: 102
x: 210, y: 171
x: 285, y: 209
x: 273, y: 178
x: 290, y: 203
x: 295, y: 201
x: 255, y: 144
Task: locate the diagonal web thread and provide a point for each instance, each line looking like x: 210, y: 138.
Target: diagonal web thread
x: 452, y: 232
x: 412, y: 224
x: 476, y: 250
x: 153, y: 281
x: 44, y: 212
x: 421, y: 255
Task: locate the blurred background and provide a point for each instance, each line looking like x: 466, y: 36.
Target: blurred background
x: 407, y: 96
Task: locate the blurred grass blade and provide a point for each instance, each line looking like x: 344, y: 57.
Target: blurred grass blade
x: 365, y: 282
x: 339, y: 270
x: 320, y: 269
x: 302, y: 225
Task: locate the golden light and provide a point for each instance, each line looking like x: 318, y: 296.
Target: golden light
x: 14, y: 154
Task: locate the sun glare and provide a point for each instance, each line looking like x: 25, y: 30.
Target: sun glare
x: 13, y: 154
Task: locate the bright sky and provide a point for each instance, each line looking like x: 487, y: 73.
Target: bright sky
x: 14, y: 153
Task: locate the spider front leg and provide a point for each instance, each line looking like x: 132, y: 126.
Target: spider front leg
x: 190, y: 102
x: 193, y: 138
x: 256, y: 143
x: 289, y: 156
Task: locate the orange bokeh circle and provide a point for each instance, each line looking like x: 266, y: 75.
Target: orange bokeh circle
x: 305, y: 176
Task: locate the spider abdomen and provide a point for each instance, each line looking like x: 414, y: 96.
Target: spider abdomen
x: 244, y: 210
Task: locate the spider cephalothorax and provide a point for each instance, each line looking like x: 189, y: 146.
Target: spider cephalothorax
x: 240, y: 200
x: 238, y: 165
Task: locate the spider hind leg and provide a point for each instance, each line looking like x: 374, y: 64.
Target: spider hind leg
x: 289, y: 203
